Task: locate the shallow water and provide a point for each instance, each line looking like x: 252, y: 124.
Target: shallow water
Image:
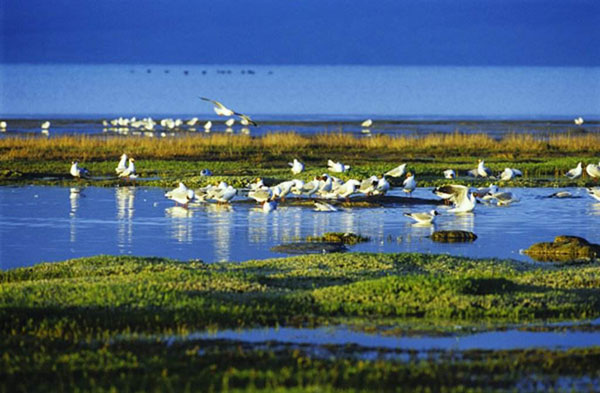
x: 40, y: 223
x: 339, y: 335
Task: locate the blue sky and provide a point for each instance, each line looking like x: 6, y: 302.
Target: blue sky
x: 390, y: 32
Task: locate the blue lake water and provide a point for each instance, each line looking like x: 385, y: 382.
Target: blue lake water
x: 301, y: 91
x: 56, y: 223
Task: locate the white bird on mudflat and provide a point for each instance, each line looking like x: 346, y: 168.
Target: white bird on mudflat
x: 575, y: 172
x: 77, y: 171
x: 207, y: 126
x: 449, y: 174
x: 423, y: 217
x: 2, y: 124
x: 181, y: 194
x: 284, y: 189
x: 230, y: 122
x: 45, y: 125
x: 122, y: 166
x: 324, y: 207
x: 508, y: 174
x: 129, y: 172
x: 223, y: 195
x: 593, y: 170
x: 367, y: 123
x: 297, y: 166
x: 325, y: 184
x: 383, y: 186
x: 409, y: 184
x: 337, y: 167
x: 482, y: 170
x: 368, y: 185
x: 594, y: 192
x: 192, y: 122
x: 346, y: 189
x: 260, y: 195
x: 308, y: 189
x: 397, y: 171
x: 578, y: 121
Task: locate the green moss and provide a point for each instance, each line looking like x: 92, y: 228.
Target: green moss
x: 339, y: 237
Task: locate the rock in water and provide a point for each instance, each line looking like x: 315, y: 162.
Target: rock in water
x: 453, y: 236
x: 563, y: 249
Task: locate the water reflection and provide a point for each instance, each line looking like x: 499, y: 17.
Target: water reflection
x: 181, y: 223
x: 74, y: 196
x: 124, y: 197
x: 463, y: 222
x: 220, y: 221
x: 595, y: 209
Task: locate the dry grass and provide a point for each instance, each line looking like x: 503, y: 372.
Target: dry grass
x: 286, y: 145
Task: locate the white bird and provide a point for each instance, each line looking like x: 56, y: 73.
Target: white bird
x: 220, y: 109
x: 409, y: 184
x: 130, y: 171
x: 463, y: 199
x: 383, y: 186
x: 301, y: 188
x: 77, y: 171
x: 578, y: 121
x: 337, y: 167
x: 257, y: 184
x: 423, y: 217
x: 260, y: 195
x: 507, y: 174
x: 449, y: 174
x: 122, y: 164
x: 575, y: 172
x: 324, y: 207
x: 482, y: 170
x: 2, y: 124
x: 207, y: 126
x: 594, y: 193
x: 223, y: 194
x: 230, y: 122
x: 347, y: 189
x: 45, y: 125
x: 369, y: 185
x: 269, y: 206
x: 367, y: 123
x: 297, y: 166
x: 503, y: 198
x: 284, y: 188
x: 192, y: 122
x: 397, y: 171
x: 561, y: 194
x: 593, y: 170
x: 181, y: 194
x: 325, y: 184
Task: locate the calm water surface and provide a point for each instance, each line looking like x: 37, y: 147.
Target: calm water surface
x: 56, y: 223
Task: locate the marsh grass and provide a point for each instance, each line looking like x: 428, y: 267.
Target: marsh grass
x: 283, y: 146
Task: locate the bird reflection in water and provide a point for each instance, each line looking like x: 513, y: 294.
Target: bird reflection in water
x: 220, y: 223
x: 181, y: 223
x: 75, y: 193
x: 124, y: 196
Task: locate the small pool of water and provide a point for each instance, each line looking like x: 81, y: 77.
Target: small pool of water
x: 336, y: 335
x: 40, y: 223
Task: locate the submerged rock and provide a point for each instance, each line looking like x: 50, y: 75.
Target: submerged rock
x: 563, y: 249
x: 453, y: 236
x: 339, y: 237
x: 309, y: 248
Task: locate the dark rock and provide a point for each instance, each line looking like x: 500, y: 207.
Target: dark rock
x: 453, y: 236
x: 338, y: 237
x: 563, y: 249
x: 309, y: 248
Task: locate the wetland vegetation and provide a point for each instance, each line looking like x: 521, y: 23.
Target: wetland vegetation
x: 103, y: 323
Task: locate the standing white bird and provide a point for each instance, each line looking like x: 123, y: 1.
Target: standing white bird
x: 129, y: 173
x: 397, y: 171
x: 578, y: 121
x: 261, y: 195
x: 2, y: 124
x: 347, y: 189
x: 230, y: 122
x: 482, y: 170
x: 423, y: 217
x: 122, y: 166
x: 507, y: 174
x: 181, y: 194
x: 192, y: 122
x: 409, y: 184
x: 297, y: 166
x: 449, y: 174
x: 77, y: 171
x: 337, y: 167
x: 594, y: 193
x: 575, y: 172
x: 207, y: 126
x: 45, y: 125
x: 367, y: 123
x: 383, y: 186
x: 593, y: 170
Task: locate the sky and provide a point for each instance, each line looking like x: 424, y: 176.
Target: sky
x: 311, y: 32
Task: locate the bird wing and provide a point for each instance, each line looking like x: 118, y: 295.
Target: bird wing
x: 216, y: 103
x: 247, y: 118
